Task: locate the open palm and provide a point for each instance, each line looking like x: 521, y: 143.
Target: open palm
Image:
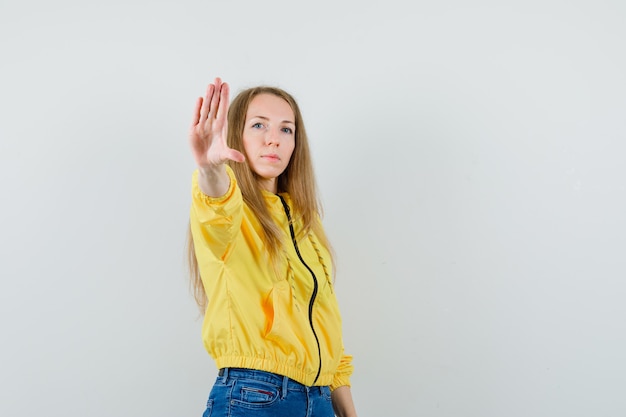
x: 209, y: 128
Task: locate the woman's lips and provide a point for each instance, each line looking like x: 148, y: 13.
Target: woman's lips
x: 271, y: 157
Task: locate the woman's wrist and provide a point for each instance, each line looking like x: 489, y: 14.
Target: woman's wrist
x: 213, y: 180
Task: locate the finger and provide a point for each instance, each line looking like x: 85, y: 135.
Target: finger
x: 222, y: 111
x: 234, y: 155
x: 215, y: 99
x: 204, y: 111
x: 196, y: 112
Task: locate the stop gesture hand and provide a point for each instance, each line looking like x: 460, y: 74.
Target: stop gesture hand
x: 209, y: 127
x: 207, y: 137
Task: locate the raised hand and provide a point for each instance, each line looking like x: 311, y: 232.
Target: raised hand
x: 207, y: 137
x: 207, y: 133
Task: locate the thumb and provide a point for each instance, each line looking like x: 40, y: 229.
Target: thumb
x: 234, y: 155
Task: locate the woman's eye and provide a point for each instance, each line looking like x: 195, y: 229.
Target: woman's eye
x: 257, y: 125
x: 287, y: 130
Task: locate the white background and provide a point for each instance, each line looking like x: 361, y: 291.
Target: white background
x: 470, y: 157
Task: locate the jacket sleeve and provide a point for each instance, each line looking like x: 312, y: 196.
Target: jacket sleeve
x: 215, y: 221
x: 343, y: 373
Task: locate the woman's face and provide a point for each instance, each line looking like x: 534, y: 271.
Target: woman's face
x: 269, y: 138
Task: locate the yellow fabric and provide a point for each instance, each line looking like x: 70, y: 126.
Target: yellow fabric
x: 255, y: 319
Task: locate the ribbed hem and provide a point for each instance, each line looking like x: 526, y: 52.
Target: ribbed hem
x: 340, y: 381
x: 267, y: 365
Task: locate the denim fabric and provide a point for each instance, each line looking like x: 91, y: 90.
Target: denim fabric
x: 245, y: 392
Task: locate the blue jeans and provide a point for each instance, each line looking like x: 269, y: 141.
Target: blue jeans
x: 247, y: 392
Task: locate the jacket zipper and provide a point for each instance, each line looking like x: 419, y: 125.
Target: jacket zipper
x: 315, y: 287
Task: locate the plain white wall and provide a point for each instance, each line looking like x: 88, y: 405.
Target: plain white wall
x: 471, y: 160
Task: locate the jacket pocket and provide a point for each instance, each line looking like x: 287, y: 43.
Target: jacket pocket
x: 287, y: 322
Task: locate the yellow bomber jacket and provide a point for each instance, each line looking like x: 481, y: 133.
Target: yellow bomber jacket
x: 290, y: 324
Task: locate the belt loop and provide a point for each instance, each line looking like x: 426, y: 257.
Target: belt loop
x: 224, y: 374
x: 283, y: 394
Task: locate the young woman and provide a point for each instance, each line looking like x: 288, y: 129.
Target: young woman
x: 260, y: 261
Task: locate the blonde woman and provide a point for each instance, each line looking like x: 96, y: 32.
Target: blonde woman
x: 261, y: 264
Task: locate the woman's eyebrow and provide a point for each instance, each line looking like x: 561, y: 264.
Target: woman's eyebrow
x: 267, y: 118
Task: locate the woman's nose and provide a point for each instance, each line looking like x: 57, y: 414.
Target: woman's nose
x: 272, y: 137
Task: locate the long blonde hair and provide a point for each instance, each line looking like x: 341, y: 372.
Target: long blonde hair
x: 298, y: 180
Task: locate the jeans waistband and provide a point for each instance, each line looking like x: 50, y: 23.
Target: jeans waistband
x: 279, y: 380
